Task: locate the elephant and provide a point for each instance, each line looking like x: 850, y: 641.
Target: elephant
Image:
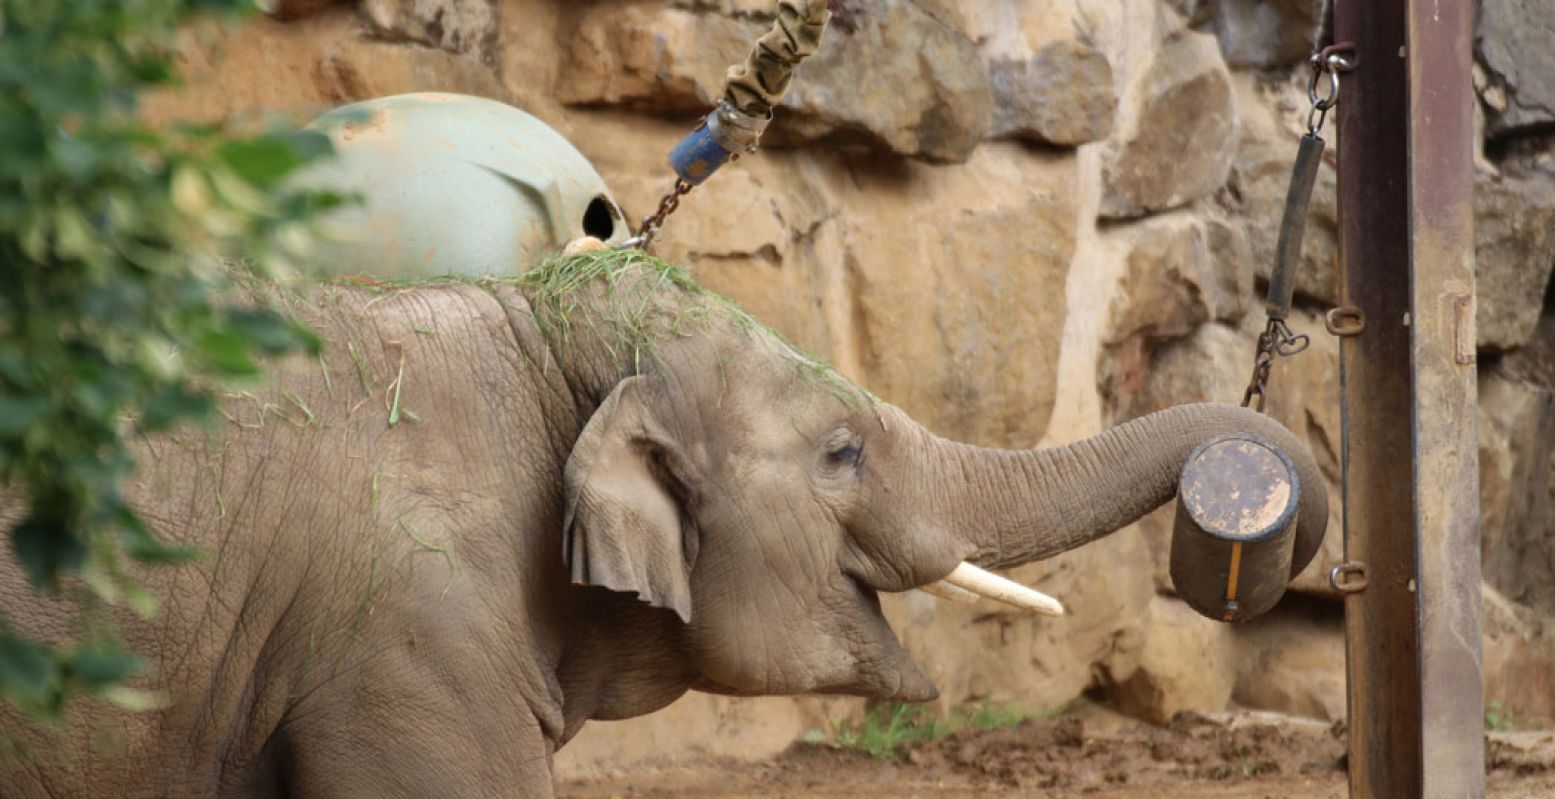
x: 495, y: 509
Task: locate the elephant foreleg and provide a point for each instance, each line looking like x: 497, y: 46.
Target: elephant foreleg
x: 414, y: 735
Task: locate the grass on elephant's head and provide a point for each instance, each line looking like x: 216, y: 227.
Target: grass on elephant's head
x: 887, y: 729
x: 631, y: 280
x: 637, y: 315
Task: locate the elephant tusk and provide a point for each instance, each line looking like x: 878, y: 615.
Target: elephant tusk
x: 946, y: 591
x: 987, y: 584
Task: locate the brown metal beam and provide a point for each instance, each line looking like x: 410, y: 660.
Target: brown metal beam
x: 1411, y: 484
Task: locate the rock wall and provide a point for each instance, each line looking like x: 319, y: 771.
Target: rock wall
x: 1023, y: 221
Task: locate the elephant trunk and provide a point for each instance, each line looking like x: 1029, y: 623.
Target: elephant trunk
x: 1015, y: 506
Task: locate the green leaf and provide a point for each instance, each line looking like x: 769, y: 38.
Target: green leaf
x: 45, y: 549
x: 173, y: 404
x: 260, y: 161
x: 143, y: 602
x: 191, y: 192
x: 74, y: 237
x: 19, y: 413
x: 133, y: 699
x: 152, y: 69
x: 270, y: 332
x: 143, y: 546
x: 308, y: 144
x: 102, y: 663
x: 266, y: 159
x: 111, y: 303
x: 227, y: 352
x: 30, y: 676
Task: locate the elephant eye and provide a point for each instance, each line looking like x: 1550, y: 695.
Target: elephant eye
x: 845, y: 455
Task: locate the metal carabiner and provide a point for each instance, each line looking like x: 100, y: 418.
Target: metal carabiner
x: 1318, y: 68
x: 1333, y: 64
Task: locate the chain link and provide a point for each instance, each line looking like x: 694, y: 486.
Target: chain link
x: 1331, y: 61
x: 651, y: 223
x: 1276, y: 341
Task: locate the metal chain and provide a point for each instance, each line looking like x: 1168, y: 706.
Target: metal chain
x: 651, y: 223
x: 1276, y: 340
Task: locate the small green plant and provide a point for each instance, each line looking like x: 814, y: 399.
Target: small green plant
x: 117, y: 247
x: 1499, y: 718
x: 887, y: 729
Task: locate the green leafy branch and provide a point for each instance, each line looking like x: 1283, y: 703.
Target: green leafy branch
x: 117, y: 244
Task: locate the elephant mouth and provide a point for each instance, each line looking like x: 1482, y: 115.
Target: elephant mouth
x: 885, y: 670
x: 874, y: 663
x: 876, y: 666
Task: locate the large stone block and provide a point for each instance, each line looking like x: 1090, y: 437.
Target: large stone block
x: 1258, y: 33
x: 459, y: 26
x: 1292, y: 661
x: 1515, y: 43
x: 1514, y: 253
x: 1182, y: 271
x: 358, y: 69
x: 1187, y: 663
x: 302, y: 68
x: 1179, y: 145
x: 1062, y: 94
x: 890, y: 75
x: 1518, y: 656
x: 957, y: 276
x: 652, y: 57
x: 1516, y: 446
x: 939, y: 288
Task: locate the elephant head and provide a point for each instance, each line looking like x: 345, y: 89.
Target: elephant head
x: 766, y: 500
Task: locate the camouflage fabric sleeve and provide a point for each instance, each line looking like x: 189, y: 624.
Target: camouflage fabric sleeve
x: 757, y: 85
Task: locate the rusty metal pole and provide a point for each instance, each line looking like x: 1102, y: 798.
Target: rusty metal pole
x: 1411, y: 485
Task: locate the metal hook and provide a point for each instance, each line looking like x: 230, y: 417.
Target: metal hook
x: 1288, y: 342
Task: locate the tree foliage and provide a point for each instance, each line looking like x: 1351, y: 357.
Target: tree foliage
x: 116, y: 241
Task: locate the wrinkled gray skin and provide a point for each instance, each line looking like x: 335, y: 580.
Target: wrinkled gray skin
x: 402, y: 611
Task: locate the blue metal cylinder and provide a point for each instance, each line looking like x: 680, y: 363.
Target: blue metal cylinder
x: 698, y: 155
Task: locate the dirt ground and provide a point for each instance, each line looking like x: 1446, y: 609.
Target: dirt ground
x: 1093, y: 755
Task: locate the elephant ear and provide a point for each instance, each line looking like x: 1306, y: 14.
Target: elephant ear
x: 626, y: 528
